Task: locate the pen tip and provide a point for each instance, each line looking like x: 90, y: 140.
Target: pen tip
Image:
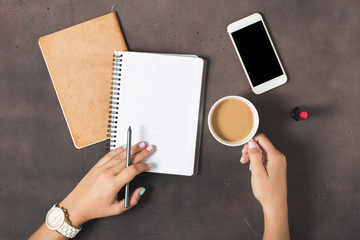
x: 129, y: 129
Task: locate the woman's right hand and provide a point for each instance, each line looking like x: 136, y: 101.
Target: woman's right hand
x: 268, y: 181
x: 268, y: 171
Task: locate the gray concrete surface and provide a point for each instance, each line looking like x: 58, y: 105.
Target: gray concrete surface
x: 318, y: 42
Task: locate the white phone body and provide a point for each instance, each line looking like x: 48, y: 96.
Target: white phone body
x: 250, y: 42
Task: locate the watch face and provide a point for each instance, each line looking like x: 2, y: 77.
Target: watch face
x: 55, y: 218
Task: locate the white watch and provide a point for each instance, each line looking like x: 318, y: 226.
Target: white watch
x: 57, y: 219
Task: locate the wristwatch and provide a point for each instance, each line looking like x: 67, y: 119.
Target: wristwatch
x: 57, y: 219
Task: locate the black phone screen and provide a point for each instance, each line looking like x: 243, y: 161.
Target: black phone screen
x: 257, y: 53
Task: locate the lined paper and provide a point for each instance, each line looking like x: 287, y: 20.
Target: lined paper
x: 160, y: 99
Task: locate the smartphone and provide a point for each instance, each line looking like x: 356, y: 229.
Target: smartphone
x: 257, y: 53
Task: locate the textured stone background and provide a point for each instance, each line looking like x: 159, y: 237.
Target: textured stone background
x: 318, y: 42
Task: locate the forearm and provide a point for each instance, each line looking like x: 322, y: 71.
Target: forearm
x: 45, y: 233
x: 276, y: 223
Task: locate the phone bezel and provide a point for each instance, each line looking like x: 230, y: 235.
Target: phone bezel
x: 244, y: 22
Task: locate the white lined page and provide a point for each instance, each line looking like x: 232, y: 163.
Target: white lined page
x: 159, y: 99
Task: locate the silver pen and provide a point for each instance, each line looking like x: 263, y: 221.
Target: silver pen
x: 128, y: 161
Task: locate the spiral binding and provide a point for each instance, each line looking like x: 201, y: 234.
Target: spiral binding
x: 115, y: 97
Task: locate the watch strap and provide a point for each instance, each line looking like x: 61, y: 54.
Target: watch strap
x: 68, y: 231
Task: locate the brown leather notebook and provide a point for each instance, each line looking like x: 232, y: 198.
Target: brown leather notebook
x: 79, y: 60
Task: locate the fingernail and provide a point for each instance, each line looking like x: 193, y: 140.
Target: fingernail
x: 150, y: 166
x: 241, y: 159
x: 252, y: 144
x: 249, y: 166
x: 149, y: 148
x: 124, y: 146
x: 141, y: 145
x: 142, y: 191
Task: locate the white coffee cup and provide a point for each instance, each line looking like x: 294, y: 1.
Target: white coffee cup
x: 253, y: 130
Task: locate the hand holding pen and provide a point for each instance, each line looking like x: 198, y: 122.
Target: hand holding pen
x: 96, y: 194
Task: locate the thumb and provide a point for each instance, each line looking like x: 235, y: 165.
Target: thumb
x: 119, y: 208
x: 256, y: 159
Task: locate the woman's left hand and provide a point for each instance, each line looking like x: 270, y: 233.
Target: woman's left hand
x: 96, y: 194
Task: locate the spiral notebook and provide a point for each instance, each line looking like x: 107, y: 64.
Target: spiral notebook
x: 79, y: 62
x: 161, y: 97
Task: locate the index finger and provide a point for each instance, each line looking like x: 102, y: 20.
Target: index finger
x: 266, y: 144
x: 130, y: 172
x: 121, y: 157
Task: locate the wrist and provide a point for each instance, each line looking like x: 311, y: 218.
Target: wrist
x: 275, y: 211
x: 76, y: 217
x: 279, y: 208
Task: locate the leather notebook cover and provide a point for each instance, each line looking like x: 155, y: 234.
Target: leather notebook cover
x: 79, y: 60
